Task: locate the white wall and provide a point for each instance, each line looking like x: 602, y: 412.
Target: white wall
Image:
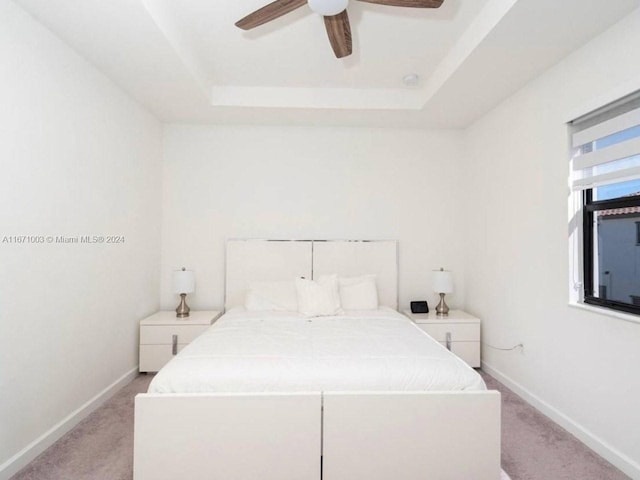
x: 270, y: 182
x: 580, y: 367
x: 77, y: 158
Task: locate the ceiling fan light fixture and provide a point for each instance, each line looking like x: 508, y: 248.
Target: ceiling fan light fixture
x: 328, y: 8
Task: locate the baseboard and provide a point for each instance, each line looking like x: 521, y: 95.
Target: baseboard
x: 595, y: 443
x: 39, y: 445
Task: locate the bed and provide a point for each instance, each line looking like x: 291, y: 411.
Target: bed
x: 274, y: 395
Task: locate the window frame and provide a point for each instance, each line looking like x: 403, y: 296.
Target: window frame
x: 589, y: 208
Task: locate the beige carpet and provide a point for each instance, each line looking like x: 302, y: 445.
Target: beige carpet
x: 101, y: 447
x: 535, y: 448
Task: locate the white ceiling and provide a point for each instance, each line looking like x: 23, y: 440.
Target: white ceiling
x: 187, y: 62
x: 388, y: 43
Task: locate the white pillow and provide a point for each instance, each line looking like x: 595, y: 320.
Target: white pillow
x: 319, y: 298
x: 358, y: 293
x: 272, y: 296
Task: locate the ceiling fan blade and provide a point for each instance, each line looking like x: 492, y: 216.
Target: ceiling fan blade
x: 408, y: 3
x: 269, y: 12
x: 339, y: 31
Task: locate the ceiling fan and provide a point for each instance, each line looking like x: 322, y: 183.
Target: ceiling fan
x: 335, y: 16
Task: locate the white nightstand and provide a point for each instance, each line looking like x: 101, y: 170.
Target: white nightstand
x: 459, y: 332
x: 163, y: 335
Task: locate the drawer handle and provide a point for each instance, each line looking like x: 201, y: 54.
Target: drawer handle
x: 174, y: 345
x: 448, y: 341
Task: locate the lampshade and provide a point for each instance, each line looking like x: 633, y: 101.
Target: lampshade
x: 328, y: 8
x: 184, y: 281
x: 442, y: 281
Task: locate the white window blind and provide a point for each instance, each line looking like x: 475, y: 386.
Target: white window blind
x: 607, y: 145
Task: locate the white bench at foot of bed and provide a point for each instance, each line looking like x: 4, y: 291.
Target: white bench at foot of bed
x: 373, y: 436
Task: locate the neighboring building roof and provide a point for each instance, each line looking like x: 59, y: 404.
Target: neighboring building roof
x: 621, y: 211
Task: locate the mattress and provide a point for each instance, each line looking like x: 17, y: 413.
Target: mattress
x: 379, y: 350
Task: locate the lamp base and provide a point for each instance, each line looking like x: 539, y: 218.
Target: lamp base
x: 183, y: 309
x: 442, y: 310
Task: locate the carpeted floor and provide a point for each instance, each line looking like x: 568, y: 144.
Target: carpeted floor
x: 101, y: 447
x: 535, y: 448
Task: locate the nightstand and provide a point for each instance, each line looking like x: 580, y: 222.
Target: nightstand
x: 459, y: 332
x: 163, y: 335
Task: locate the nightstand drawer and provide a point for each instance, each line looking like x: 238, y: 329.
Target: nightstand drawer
x: 463, y: 332
x: 467, y: 351
x: 163, y: 335
x: 154, y: 357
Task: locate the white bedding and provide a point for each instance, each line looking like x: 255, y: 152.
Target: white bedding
x: 377, y: 350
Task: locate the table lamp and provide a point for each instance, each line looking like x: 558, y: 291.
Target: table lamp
x: 183, y: 282
x: 442, y: 284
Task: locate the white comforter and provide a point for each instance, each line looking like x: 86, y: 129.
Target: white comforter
x: 284, y: 352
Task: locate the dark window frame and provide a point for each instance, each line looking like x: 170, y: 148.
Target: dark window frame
x: 589, y: 208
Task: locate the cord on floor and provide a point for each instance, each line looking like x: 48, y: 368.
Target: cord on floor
x: 520, y: 345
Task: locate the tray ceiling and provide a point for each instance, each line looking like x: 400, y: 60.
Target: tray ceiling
x: 186, y: 61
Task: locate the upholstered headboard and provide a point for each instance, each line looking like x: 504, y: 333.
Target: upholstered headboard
x: 262, y: 260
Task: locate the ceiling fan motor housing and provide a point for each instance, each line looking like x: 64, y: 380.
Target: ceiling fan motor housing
x: 328, y: 8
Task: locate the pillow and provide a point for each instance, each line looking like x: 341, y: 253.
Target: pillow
x: 358, y: 293
x: 319, y: 298
x: 271, y: 296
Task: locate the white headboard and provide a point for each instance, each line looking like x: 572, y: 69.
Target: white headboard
x: 262, y: 260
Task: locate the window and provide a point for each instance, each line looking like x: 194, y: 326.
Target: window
x: 606, y: 176
x: 611, y: 250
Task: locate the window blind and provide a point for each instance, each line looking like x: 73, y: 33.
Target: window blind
x: 607, y: 145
